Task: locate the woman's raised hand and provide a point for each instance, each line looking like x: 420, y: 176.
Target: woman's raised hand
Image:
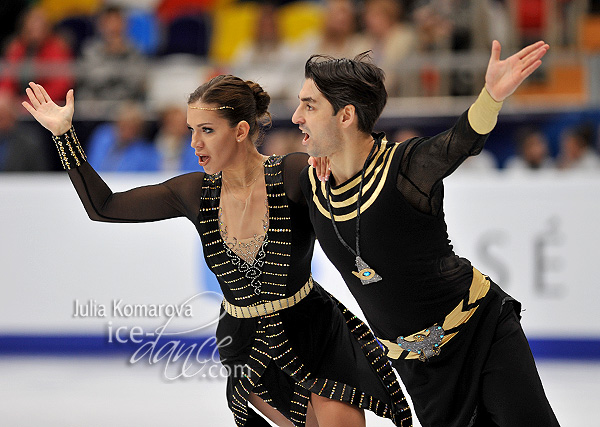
x: 57, y: 120
x: 321, y: 164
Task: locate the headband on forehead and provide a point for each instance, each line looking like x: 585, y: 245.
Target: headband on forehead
x: 211, y: 108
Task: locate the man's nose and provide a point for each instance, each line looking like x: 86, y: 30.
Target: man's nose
x: 296, y: 117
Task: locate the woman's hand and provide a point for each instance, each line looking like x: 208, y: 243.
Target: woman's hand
x: 57, y: 120
x: 502, y: 78
x: 321, y: 164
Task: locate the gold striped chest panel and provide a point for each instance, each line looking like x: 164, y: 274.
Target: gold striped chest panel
x: 343, y: 198
x: 268, y: 273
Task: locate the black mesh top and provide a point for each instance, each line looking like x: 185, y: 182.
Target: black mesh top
x: 403, y: 234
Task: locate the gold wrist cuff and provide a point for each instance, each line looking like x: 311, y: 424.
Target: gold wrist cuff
x: 69, y: 149
x: 483, y: 114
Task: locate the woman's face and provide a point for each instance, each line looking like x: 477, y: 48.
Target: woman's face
x: 213, y: 140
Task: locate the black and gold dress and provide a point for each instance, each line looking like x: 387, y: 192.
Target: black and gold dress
x: 290, y: 338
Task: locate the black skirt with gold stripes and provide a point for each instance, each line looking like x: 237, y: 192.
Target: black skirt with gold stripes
x: 316, y: 346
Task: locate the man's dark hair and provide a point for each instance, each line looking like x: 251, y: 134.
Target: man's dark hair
x: 356, y: 82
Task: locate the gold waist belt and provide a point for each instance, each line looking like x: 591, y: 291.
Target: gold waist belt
x: 427, y: 342
x: 268, y: 307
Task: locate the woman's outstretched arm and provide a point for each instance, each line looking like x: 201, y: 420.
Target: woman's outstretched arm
x: 149, y: 203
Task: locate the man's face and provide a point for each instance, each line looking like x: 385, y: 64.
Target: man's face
x: 314, y: 116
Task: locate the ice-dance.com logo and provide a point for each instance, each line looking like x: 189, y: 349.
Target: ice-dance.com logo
x: 182, y: 353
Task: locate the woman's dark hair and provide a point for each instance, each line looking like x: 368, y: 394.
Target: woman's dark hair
x: 356, y: 82
x: 248, y: 101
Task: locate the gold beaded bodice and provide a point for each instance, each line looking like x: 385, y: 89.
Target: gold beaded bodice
x: 255, y: 271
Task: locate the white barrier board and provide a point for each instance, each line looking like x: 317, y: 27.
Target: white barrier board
x: 60, y: 273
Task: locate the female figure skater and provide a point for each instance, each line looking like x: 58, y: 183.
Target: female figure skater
x: 296, y: 353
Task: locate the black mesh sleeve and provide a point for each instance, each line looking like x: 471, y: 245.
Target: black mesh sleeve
x: 179, y: 196
x: 427, y: 161
x: 170, y: 199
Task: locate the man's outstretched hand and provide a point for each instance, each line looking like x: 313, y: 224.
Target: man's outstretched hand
x: 503, y: 77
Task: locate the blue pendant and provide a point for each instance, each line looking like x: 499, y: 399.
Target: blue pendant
x: 365, y: 273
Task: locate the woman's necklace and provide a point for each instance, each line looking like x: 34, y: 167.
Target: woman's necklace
x: 365, y: 273
x: 246, y: 177
x: 230, y: 191
x: 229, y: 187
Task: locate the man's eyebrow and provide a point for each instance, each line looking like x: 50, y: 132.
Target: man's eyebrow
x: 307, y: 99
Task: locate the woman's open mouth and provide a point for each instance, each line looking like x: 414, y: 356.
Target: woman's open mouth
x: 203, y: 160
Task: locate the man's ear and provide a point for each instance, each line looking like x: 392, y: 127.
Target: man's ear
x: 348, y: 115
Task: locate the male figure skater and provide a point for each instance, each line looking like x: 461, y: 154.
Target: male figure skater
x: 452, y: 334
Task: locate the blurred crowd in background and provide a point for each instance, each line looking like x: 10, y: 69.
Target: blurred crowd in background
x: 132, y: 63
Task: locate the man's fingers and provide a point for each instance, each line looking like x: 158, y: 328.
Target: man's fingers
x: 535, y: 55
x: 496, y: 48
x: 527, y: 50
x: 533, y: 61
x: 530, y: 60
x: 527, y: 71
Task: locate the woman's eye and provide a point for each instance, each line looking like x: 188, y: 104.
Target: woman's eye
x: 207, y: 130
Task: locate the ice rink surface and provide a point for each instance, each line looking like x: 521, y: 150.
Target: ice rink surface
x: 109, y: 391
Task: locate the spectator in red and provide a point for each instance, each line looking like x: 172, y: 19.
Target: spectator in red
x: 35, y: 53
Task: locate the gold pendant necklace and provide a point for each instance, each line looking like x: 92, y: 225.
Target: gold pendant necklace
x: 365, y: 273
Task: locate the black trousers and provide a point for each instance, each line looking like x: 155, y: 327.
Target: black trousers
x: 509, y: 390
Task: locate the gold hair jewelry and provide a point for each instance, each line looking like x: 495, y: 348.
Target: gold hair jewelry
x: 210, y: 108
